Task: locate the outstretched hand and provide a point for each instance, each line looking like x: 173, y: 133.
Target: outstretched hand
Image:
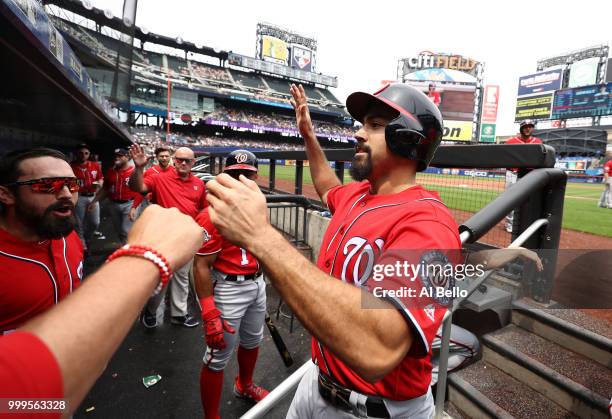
x: 299, y: 102
x: 497, y: 258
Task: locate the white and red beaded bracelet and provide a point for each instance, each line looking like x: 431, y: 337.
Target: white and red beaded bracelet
x: 149, y: 254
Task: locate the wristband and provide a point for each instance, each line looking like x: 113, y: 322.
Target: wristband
x: 149, y: 254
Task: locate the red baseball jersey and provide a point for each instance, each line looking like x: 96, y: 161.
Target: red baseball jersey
x: 519, y: 140
x: 608, y: 168
x: 364, y: 230
x: 116, y: 184
x: 28, y: 369
x: 231, y: 259
x: 36, y: 275
x: 153, y: 170
x: 435, y: 97
x: 170, y: 191
x: 88, y: 173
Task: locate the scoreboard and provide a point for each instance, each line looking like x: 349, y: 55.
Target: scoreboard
x: 581, y: 102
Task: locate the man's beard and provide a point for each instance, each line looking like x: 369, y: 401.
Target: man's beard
x: 360, y: 168
x: 47, y: 225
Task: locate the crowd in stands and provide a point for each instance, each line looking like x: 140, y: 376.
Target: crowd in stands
x: 149, y: 139
x: 188, y: 72
x: 268, y: 119
x: 250, y: 143
x: 209, y: 72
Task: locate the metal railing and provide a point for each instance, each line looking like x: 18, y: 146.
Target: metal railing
x: 448, y: 316
x: 289, y: 214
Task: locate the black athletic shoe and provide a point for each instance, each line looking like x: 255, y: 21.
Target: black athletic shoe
x: 148, y: 321
x: 187, y: 321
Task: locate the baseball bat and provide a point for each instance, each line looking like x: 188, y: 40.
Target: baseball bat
x: 278, y: 342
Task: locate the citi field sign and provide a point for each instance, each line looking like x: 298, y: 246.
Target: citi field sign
x: 427, y: 59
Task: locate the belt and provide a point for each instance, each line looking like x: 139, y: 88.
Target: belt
x: 86, y: 194
x: 121, y: 201
x: 347, y: 399
x: 240, y: 278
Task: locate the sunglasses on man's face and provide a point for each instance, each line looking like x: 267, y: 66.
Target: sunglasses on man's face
x: 182, y: 160
x: 50, y: 184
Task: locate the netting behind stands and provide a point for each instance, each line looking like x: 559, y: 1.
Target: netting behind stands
x: 467, y: 191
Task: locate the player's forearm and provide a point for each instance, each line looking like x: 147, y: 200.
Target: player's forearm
x: 332, y: 310
x: 323, y: 176
x: 90, y: 329
x: 136, y: 182
x: 202, y: 279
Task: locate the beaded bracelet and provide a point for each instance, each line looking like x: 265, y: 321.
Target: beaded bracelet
x: 149, y: 254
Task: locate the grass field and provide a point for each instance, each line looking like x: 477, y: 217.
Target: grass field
x: 580, y: 213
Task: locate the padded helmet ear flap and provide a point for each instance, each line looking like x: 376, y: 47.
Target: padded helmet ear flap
x: 402, y: 141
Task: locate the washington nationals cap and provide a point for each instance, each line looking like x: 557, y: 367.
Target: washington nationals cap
x: 241, y: 160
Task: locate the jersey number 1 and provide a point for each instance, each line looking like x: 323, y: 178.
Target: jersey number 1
x: 244, y: 260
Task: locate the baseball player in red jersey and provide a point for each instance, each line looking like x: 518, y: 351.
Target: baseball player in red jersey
x: 180, y: 189
x: 89, y: 174
x: 608, y: 183
x: 433, y: 95
x: 373, y: 363
x: 40, y: 253
x: 525, y: 137
x: 163, y: 156
x: 60, y: 353
x: 118, y: 192
x: 232, y: 296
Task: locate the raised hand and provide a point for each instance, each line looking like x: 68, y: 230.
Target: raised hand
x: 299, y: 102
x: 138, y: 155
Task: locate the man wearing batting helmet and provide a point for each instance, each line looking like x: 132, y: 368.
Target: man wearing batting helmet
x: 232, y: 294
x: 525, y: 130
x: 369, y: 362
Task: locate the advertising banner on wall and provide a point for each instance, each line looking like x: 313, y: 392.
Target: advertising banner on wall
x: 583, y: 73
x: 487, y: 133
x: 457, y: 130
x: 544, y: 81
x: 534, y: 107
x: 490, y: 103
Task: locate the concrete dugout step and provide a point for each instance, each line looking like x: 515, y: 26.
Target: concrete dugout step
x: 572, y: 329
x: 483, y: 391
x: 573, y: 381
